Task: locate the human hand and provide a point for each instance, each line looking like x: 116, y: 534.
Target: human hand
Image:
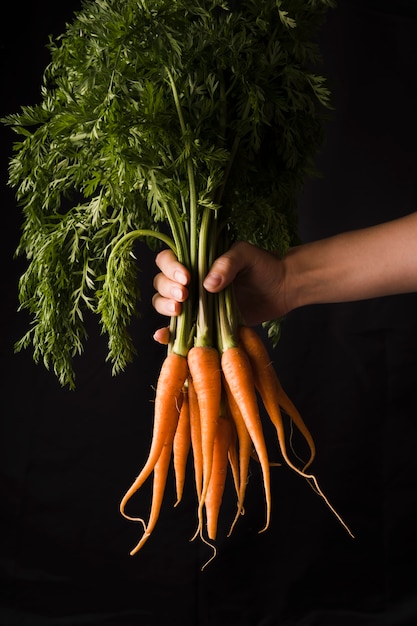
x: 257, y: 275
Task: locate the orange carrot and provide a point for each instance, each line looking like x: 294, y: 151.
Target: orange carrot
x: 195, y: 429
x: 160, y: 474
x: 217, y: 482
x: 167, y: 407
x: 181, y: 448
x: 239, y: 384
x: 204, y: 367
x: 271, y: 392
x: 233, y: 453
x: 269, y: 388
x: 245, y: 451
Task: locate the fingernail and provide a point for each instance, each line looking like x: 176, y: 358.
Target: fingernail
x: 177, y: 293
x: 180, y: 278
x: 212, y: 280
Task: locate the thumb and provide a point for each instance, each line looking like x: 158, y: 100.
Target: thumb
x: 223, y: 271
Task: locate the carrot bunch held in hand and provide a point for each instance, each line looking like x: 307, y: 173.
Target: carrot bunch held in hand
x: 225, y: 419
x: 224, y: 384
x: 197, y: 128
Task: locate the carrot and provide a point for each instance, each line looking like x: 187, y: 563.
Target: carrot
x: 239, y: 386
x: 168, y: 399
x: 195, y: 430
x: 204, y: 367
x: 217, y: 482
x: 233, y: 454
x: 245, y: 451
x: 271, y: 391
x: 160, y: 474
x: 182, y: 443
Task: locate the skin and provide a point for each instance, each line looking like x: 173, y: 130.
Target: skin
x: 377, y: 261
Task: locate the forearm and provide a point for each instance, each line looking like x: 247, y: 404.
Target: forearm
x: 376, y: 261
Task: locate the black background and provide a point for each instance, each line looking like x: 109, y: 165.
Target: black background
x: 67, y: 457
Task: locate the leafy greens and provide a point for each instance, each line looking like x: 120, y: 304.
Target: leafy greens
x: 192, y: 122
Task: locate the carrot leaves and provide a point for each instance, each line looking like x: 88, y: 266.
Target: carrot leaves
x: 197, y: 118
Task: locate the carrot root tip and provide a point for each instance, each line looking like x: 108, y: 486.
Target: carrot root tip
x: 213, y: 556
x: 144, y: 538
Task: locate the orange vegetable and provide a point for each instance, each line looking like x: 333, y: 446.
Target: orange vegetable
x: 195, y: 429
x: 160, y: 474
x: 182, y: 444
x: 168, y: 400
x: 239, y: 385
x: 214, y: 496
x: 245, y: 452
x: 204, y: 367
x: 272, y: 393
x: 210, y: 402
x: 233, y: 453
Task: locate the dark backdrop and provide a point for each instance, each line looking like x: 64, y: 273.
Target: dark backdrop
x: 67, y: 457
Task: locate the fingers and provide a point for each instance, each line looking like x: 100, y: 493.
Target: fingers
x: 162, y: 335
x: 172, y: 268
x: 170, y: 284
x: 244, y: 262
x: 171, y: 290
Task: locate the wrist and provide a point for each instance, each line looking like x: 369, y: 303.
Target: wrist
x: 290, y: 291
x: 301, y: 278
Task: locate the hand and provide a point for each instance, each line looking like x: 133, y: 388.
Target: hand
x: 258, y: 278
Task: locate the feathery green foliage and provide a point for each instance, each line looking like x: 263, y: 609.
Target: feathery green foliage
x: 201, y: 117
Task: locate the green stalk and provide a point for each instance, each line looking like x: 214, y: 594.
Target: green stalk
x: 142, y: 232
x: 176, y: 226
x: 183, y: 333
x: 227, y: 329
x: 181, y: 326
x: 191, y: 179
x: 204, y: 333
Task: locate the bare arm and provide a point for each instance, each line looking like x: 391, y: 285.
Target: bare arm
x: 371, y: 262
x: 366, y: 263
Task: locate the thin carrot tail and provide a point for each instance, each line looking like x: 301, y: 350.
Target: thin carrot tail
x: 239, y: 383
x: 159, y: 482
x: 291, y: 410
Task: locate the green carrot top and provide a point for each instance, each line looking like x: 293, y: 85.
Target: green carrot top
x: 195, y: 122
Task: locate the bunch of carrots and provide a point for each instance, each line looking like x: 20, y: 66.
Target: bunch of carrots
x: 207, y: 402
